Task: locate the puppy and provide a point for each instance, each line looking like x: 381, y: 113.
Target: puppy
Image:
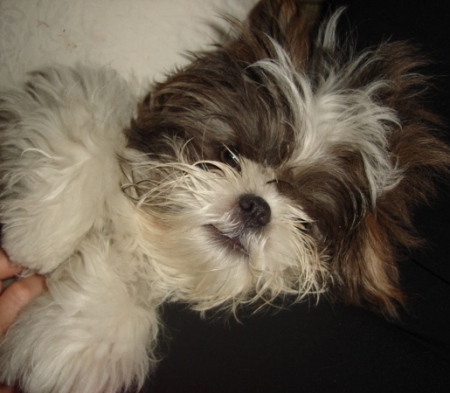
x: 279, y: 165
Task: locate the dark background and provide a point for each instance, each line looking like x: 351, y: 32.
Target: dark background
x: 331, y: 347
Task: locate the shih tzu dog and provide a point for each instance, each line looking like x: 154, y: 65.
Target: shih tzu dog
x: 279, y: 165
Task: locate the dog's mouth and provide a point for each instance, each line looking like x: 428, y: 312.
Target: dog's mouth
x: 231, y: 242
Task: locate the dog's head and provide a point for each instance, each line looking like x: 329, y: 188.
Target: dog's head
x: 281, y: 162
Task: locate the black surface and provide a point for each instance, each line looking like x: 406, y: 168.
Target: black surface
x: 334, y: 348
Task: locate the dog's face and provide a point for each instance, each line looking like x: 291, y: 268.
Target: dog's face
x: 230, y: 234
x: 276, y: 165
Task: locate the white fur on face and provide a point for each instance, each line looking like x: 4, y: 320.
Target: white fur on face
x: 205, y: 249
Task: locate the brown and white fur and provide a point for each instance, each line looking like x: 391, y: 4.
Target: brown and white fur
x: 280, y: 164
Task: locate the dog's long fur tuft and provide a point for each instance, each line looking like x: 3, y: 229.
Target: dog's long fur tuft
x: 280, y: 164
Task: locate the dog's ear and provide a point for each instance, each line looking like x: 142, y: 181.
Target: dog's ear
x: 366, y: 271
x: 366, y: 264
x: 290, y: 23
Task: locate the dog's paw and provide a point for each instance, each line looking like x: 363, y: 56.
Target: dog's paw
x: 55, y: 348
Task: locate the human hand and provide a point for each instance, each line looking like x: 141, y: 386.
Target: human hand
x: 14, y: 298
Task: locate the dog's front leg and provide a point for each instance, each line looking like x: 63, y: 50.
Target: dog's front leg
x: 93, y: 331
x: 60, y: 138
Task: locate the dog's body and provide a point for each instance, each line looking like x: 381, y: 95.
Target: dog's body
x: 279, y: 164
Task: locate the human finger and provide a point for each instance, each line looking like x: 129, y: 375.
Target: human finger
x: 7, y: 268
x: 16, y: 297
x: 6, y: 389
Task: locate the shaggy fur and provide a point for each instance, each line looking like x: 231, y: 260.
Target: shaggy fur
x: 279, y: 164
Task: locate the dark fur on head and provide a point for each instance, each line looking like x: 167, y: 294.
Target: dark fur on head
x: 357, y: 185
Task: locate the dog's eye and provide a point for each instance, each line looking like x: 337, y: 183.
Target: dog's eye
x: 229, y: 156
x: 304, y: 226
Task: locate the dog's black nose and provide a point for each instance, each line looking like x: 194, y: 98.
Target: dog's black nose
x: 255, y: 211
